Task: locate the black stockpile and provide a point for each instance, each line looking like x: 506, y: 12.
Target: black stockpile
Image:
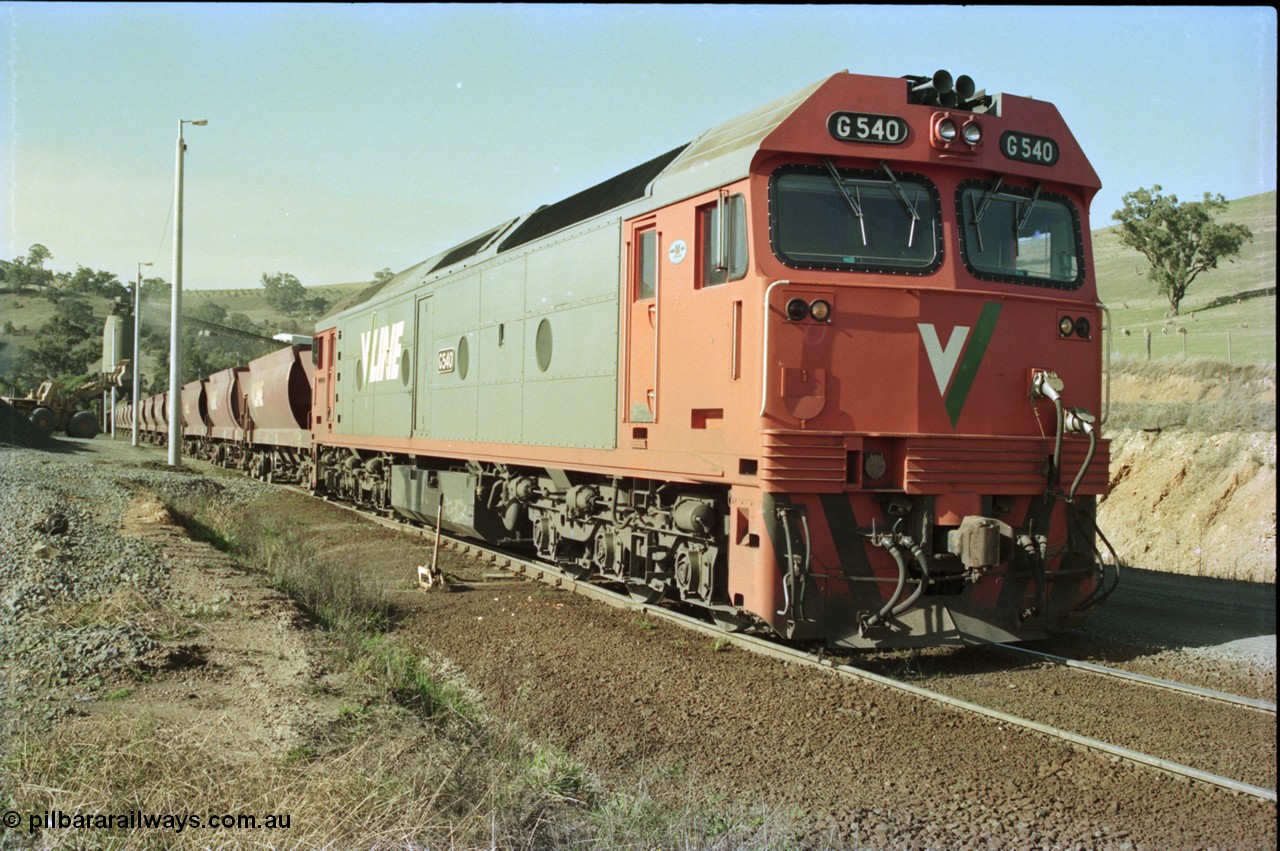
x: 17, y: 430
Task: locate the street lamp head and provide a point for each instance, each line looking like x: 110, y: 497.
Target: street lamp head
x: 201, y: 122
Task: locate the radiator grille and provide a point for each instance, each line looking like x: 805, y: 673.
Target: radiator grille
x: 815, y: 462
x: 799, y: 462
x: 998, y: 465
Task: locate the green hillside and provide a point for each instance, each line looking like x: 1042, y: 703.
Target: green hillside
x: 252, y: 302
x: 23, y: 315
x: 1233, y: 305
x: 1229, y: 312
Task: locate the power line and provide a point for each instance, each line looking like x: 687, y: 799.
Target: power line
x: 164, y: 234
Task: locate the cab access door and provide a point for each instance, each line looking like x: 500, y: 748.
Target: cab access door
x: 642, y: 323
x: 424, y: 369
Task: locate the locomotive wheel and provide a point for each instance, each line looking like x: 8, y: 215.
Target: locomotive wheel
x: 643, y: 592
x: 729, y: 621
x: 571, y: 557
x: 576, y: 569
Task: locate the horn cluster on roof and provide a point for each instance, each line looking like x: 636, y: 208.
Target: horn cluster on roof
x: 941, y: 89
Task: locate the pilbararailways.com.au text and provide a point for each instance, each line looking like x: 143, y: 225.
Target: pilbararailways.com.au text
x: 54, y: 820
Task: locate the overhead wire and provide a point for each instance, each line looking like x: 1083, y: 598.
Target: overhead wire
x: 164, y: 234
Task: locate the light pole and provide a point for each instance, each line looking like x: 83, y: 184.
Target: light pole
x: 175, y: 328
x: 137, y: 345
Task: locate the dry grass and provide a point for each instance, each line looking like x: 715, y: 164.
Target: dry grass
x: 369, y: 794
x: 410, y: 760
x: 394, y: 785
x: 160, y: 618
x: 1201, y: 396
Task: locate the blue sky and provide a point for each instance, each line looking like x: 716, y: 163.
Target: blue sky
x: 347, y: 138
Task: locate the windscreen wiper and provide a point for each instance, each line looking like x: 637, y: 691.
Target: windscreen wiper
x: 980, y: 208
x: 1022, y: 220
x: 853, y: 203
x: 902, y: 196
x: 986, y: 199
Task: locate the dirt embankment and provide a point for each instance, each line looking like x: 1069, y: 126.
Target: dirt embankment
x: 1193, y: 503
x: 1193, y: 471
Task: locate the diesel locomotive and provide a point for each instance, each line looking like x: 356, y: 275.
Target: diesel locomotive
x: 837, y: 367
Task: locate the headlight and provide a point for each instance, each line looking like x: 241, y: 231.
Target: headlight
x: 1066, y: 325
x: 947, y: 130
x: 1082, y: 327
x: 797, y: 310
x: 972, y: 133
x: 820, y: 310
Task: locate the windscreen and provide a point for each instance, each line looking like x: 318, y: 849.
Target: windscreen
x: 829, y: 218
x: 1020, y: 236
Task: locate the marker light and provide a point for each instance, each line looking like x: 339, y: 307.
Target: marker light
x: 797, y: 310
x: 1066, y: 325
x: 1082, y: 327
x: 820, y: 310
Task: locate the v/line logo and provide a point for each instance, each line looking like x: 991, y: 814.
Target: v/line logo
x: 377, y: 348
x: 955, y: 366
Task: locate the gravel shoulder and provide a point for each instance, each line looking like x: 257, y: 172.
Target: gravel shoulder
x: 643, y: 705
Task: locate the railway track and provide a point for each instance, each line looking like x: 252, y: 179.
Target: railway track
x: 547, y: 574
x: 1155, y: 682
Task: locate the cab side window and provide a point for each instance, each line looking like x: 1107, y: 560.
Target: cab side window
x: 722, y: 241
x: 647, y: 265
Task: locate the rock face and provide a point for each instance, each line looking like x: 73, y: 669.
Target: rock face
x: 1188, y: 502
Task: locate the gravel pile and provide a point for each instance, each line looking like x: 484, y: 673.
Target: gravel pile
x: 72, y: 587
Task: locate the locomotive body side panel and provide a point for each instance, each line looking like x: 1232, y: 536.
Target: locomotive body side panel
x: 453, y: 377
x: 490, y: 356
x: 502, y: 342
x: 374, y: 371
x: 571, y: 341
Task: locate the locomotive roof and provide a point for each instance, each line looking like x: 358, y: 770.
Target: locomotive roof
x: 719, y: 155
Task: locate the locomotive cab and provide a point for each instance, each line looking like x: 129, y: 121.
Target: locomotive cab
x: 926, y: 289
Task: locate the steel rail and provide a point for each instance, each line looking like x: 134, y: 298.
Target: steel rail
x: 1198, y: 691
x: 551, y: 576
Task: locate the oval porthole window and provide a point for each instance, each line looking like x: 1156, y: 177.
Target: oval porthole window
x: 405, y: 362
x: 360, y: 374
x: 462, y: 358
x: 542, y: 345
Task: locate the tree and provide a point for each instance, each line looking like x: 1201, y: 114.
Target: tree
x: 29, y: 271
x: 101, y: 283
x: 1179, y: 240
x: 384, y: 275
x: 69, y: 344
x: 37, y: 254
x: 284, y: 291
